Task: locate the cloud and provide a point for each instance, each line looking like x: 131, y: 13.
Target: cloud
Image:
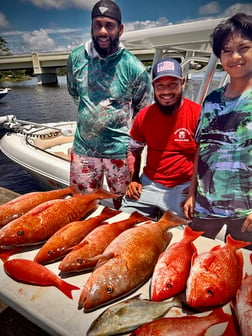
x: 237, y: 8
x: 38, y: 40
x: 4, y: 22
x: 136, y: 25
x: 62, y: 4
x: 212, y: 7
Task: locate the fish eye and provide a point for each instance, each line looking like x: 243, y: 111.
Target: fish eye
x: 210, y: 292
x: 109, y: 289
x: 169, y: 285
x: 20, y: 233
x: 79, y: 261
x: 50, y: 252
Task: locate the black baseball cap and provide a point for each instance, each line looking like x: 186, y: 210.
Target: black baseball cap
x: 107, y: 8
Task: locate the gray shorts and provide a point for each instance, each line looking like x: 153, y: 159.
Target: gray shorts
x: 157, y: 198
x: 212, y: 226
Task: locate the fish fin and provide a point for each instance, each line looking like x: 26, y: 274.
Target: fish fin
x: 43, y: 206
x: 195, y: 254
x: 74, y: 189
x: 103, y: 258
x: 66, y: 288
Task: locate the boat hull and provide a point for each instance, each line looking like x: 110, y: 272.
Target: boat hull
x: 50, y: 166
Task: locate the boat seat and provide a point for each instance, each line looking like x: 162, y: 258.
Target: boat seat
x: 45, y: 143
x: 64, y: 155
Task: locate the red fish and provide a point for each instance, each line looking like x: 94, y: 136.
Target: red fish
x: 22, y: 204
x: 70, y: 235
x: 216, y: 275
x: 182, y: 326
x: 86, y: 254
x: 44, y: 220
x: 243, y: 305
x: 30, y: 272
x: 173, y: 267
x: 5, y: 253
x: 127, y: 262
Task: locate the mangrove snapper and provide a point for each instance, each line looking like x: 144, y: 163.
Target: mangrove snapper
x: 128, y: 261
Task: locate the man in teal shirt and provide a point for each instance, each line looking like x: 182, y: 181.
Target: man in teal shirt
x: 110, y: 86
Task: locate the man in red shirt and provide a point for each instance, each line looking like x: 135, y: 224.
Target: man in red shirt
x: 167, y: 130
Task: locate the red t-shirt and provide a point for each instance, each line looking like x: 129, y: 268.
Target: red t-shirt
x: 170, y: 141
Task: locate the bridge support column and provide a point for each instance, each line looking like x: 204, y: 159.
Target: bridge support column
x: 48, y: 76
x: 45, y: 75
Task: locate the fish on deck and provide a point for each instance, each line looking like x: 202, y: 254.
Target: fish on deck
x: 127, y: 262
x: 23, y: 203
x: 30, y: 272
x: 86, y: 254
x: 215, y: 275
x: 182, y: 326
x: 64, y: 239
x: 173, y: 266
x: 129, y: 314
x: 44, y: 220
x: 243, y: 305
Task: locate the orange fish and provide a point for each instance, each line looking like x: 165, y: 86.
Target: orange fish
x: 86, y: 254
x: 173, y: 267
x: 21, y: 204
x: 216, y: 275
x: 61, y: 242
x: 44, y: 220
x: 182, y: 326
x: 243, y: 305
x: 127, y: 262
x: 30, y: 272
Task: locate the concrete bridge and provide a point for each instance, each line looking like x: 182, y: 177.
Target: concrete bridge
x: 45, y: 65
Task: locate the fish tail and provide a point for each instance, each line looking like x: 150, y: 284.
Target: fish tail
x: 108, y: 212
x: 66, y: 288
x: 6, y: 253
x: 236, y: 244
x: 190, y: 234
x: 102, y: 193
x: 172, y: 219
x: 139, y: 217
x: 220, y: 315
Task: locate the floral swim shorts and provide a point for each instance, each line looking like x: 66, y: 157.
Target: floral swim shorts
x: 89, y: 173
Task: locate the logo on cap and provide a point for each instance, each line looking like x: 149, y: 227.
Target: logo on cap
x: 103, y: 9
x: 164, y: 66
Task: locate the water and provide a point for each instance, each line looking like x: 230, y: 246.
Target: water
x: 38, y: 103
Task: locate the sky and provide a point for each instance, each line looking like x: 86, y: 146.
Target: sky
x: 61, y: 25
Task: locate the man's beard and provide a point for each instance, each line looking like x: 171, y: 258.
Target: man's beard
x: 113, y: 46
x: 169, y: 109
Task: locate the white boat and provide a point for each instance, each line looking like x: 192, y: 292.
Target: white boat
x: 4, y: 92
x: 43, y: 150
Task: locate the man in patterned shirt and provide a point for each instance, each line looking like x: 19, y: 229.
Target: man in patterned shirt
x: 221, y: 189
x: 110, y: 85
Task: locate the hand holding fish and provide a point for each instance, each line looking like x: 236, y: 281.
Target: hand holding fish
x: 134, y: 190
x: 247, y: 225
